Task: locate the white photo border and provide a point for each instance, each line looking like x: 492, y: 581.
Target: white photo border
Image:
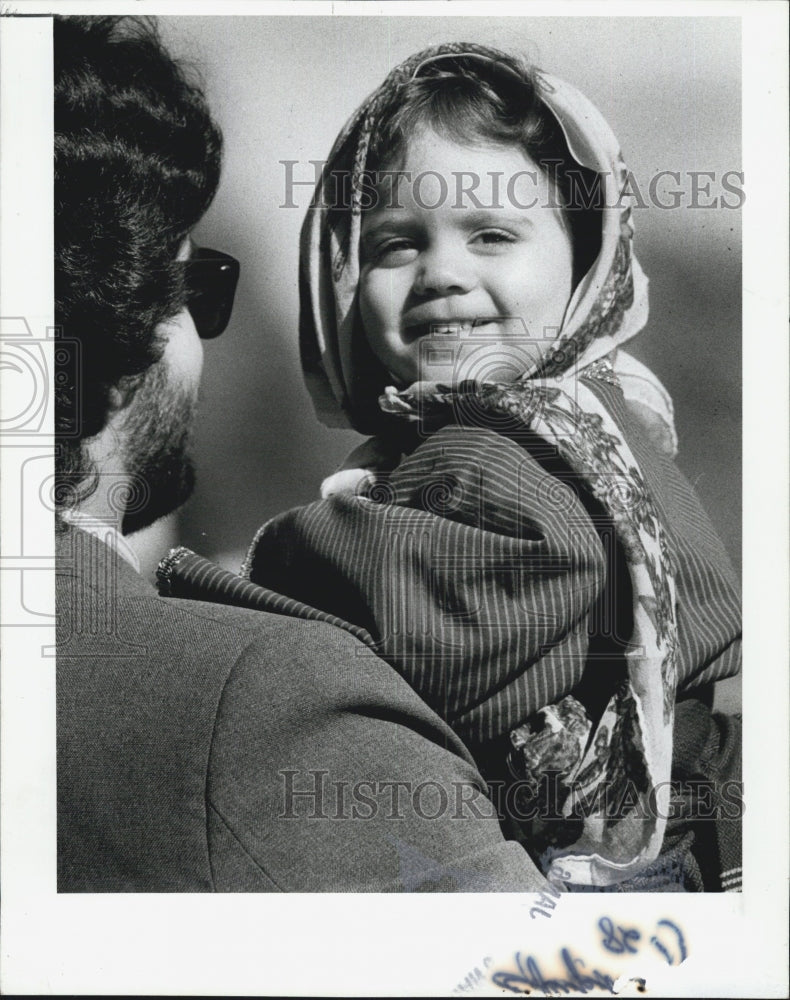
x: 371, y: 944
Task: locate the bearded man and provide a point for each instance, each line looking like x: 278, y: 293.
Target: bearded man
x: 203, y: 747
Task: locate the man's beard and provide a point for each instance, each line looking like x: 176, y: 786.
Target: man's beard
x: 157, y: 434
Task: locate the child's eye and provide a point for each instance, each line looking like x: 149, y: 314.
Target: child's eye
x: 393, y: 253
x: 493, y: 237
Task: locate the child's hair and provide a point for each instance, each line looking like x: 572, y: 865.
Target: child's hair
x: 467, y: 99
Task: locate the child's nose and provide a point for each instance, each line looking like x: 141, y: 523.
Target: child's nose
x: 444, y: 270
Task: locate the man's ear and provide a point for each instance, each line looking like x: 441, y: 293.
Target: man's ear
x: 116, y: 398
x: 119, y: 396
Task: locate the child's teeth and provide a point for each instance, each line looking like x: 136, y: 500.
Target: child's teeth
x: 450, y: 327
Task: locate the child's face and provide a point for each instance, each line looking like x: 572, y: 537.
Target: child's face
x: 442, y: 289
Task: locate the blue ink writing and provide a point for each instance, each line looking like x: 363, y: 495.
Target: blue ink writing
x: 668, y: 940
x: 618, y: 939
x: 680, y: 942
x: 528, y: 976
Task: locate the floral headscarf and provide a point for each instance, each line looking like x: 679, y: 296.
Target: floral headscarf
x: 608, y: 307
x: 555, y: 400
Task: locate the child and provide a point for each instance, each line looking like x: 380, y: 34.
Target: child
x: 515, y: 537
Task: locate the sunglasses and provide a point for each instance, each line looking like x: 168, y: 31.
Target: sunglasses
x: 211, y: 278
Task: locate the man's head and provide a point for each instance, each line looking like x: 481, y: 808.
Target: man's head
x: 137, y: 163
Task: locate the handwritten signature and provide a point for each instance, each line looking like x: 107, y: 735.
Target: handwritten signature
x: 529, y: 977
x: 618, y: 939
x: 668, y: 940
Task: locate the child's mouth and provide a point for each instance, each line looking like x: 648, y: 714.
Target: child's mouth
x: 456, y: 328
x: 450, y: 329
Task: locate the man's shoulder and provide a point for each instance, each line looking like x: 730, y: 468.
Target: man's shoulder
x: 207, y: 618
x: 223, y: 634
x: 144, y: 683
x: 99, y: 593
x: 117, y: 638
x: 187, y: 749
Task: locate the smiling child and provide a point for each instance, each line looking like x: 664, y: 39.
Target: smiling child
x: 434, y: 263
x: 515, y: 537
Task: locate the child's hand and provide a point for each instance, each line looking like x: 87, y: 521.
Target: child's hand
x: 399, y: 401
x: 360, y: 467
x: 426, y: 402
x: 346, y: 481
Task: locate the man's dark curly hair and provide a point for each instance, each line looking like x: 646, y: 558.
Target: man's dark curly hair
x: 137, y: 163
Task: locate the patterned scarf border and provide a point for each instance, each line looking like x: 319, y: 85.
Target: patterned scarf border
x: 629, y: 753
